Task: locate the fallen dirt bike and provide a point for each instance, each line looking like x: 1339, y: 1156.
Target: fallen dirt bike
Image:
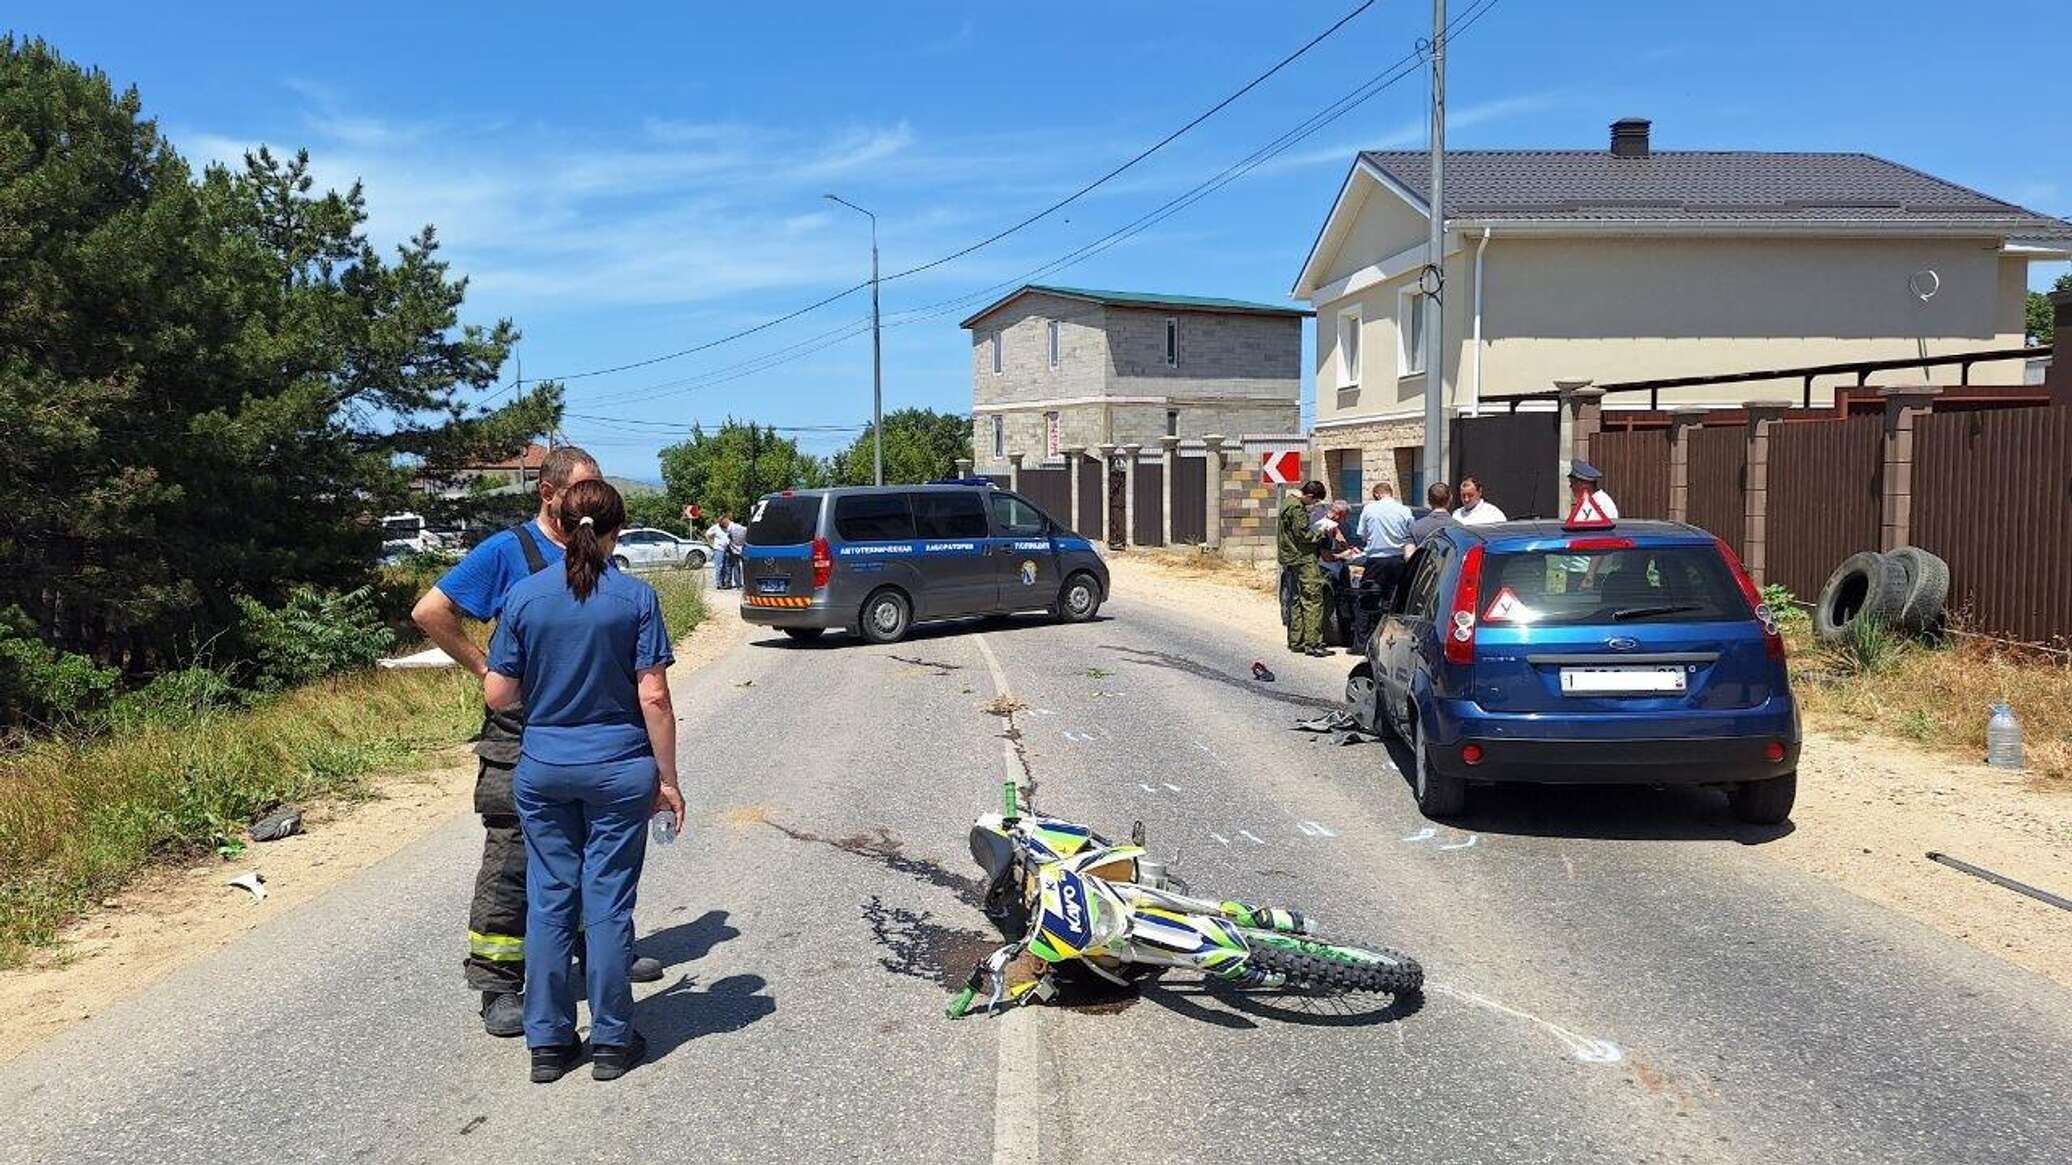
x: 1063, y: 893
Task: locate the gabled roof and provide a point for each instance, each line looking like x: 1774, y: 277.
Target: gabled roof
x: 1578, y: 191
x: 1139, y: 299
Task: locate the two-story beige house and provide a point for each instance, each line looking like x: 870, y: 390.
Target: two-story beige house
x: 1630, y: 263
x: 1057, y: 367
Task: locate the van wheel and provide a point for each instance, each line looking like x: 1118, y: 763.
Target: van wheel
x: 1080, y: 598
x: 1437, y: 795
x: 1764, y: 802
x: 886, y: 617
x: 804, y: 634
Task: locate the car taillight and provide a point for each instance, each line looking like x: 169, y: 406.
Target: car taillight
x: 1773, y: 636
x: 823, y: 563
x: 1600, y: 544
x: 1460, y: 624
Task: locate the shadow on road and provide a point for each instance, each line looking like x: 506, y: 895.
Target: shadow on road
x: 683, y: 1013
x: 1606, y: 812
x: 924, y: 633
x: 1246, y: 684
x: 688, y: 941
x: 1228, y: 1007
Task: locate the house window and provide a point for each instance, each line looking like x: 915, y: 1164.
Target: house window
x: 1172, y: 422
x: 999, y: 436
x: 1172, y: 342
x: 1410, y: 315
x: 1349, y: 348
x: 1056, y: 343
x: 1050, y: 434
x: 997, y: 366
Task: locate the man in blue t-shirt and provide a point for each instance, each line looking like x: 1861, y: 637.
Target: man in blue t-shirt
x: 475, y: 589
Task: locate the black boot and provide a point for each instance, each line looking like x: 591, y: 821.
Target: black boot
x: 503, y: 1013
x: 610, y: 1063
x: 550, y: 1064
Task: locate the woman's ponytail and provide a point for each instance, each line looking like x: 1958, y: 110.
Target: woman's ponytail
x: 589, y: 512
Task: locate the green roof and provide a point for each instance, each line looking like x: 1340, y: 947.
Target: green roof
x: 1142, y: 299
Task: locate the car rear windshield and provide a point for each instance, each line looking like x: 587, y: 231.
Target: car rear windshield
x: 1659, y: 584
x: 784, y: 521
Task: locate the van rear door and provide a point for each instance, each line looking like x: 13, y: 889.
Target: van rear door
x: 778, y: 560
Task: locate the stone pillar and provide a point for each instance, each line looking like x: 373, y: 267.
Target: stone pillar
x: 2059, y: 378
x: 1903, y: 407
x: 1129, y: 493
x: 963, y: 467
x: 1681, y: 422
x: 1582, y: 411
x: 1213, y: 468
x: 1108, y: 495
x: 1169, y: 456
x: 1014, y: 473
x: 1763, y: 417
x: 1073, y: 454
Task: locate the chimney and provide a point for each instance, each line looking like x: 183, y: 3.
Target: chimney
x: 1630, y: 137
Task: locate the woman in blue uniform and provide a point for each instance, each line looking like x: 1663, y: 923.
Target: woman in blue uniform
x: 585, y: 650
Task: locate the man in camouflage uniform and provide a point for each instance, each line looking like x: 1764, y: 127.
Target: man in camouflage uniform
x: 1297, y: 554
x: 475, y: 589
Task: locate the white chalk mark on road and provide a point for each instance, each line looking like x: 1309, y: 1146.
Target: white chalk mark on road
x: 1170, y: 785
x: 1145, y: 787
x: 1462, y: 844
x: 1425, y: 834
x: 1308, y: 829
x: 1248, y: 835
x: 1078, y: 737
x: 1315, y: 829
x: 1222, y: 840
x: 1041, y: 712
x: 1585, y: 1048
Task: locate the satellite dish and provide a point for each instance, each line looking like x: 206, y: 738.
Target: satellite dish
x: 1924, y: 284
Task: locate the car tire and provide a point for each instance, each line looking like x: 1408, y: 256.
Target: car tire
x: 1437, y: 795
x: 1764, y: 802
x: 693, y: 560
x: 885, y: 616
x: 803, y: 634
x: 1362, y: 694
x: 1927, y: 590
x: 1866, y: 585
x: 1078, y: 599
x: 619, y: 560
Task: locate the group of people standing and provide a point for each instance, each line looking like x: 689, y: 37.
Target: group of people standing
x: 577, y: 751
x: 727, y: 539
x: 1319, y: 540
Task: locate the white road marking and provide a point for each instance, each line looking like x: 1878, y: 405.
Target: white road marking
x: 1308, y: 830
x: 1170, y: 785
x: 1016, y: 1133
x: 1569, y: 866
x: 1585, y: 1048
x: 1461, y: 844
x: 1078, y: 737
x: 1041, y: 712
x: 1425, y: 834
x: 1248, y: 835
x: 1316, y: 829
x: 1220, y: 838
x: 1145, y: 787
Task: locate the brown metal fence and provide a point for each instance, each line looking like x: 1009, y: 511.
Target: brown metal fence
x: 1513, y: 455
x: 1717, y: 478
x: 1992, y: 495
x: 1050, y: 490
x: 1636, y: 470
x: 1190, y: 500
x: 1148, y: 521
x: 1824, y: 482
x: 1089, y: 521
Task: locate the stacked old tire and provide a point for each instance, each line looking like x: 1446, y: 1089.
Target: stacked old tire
x: 1903, y: 589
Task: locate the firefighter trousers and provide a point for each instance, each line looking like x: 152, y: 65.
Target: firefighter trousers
x: 496, y: 916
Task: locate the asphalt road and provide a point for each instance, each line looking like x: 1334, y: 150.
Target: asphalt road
x: 1616, y: 975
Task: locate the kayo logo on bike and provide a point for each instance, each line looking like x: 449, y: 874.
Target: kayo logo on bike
x: 1074, y: 916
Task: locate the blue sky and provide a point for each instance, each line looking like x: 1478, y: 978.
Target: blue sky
x: 625, y: 180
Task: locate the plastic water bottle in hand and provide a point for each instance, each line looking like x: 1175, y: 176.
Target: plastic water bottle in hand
x: 662, y: 828
x: 2003, y: 739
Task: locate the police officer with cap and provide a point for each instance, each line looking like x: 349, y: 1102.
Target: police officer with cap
x: 1585, y: 479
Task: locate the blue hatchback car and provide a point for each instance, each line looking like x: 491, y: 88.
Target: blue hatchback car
x: 1530, y: 652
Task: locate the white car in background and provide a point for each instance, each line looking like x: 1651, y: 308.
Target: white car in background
x: 646, y: 548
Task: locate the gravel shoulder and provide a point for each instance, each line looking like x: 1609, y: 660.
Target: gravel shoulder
x: 1869, y: 810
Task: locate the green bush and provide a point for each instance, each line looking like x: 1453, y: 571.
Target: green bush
x: 42, y: 685
x: 312, y: 635
x: 1791, y: 615
x: 1867, y: 648
x: 173, y: 699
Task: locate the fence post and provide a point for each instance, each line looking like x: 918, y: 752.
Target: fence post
x: 1169, y: 454
x: 1581, y: 408
x: 1107, y: 494
x: 1014, y: 474
x: 1074, y: 454
x: 2059, y: 377
x: 1763, y: 416
x: 1903, y: 406
x: 1681, y: 422
x: 1212, y: 490
x: 963, y: 467
x: 1129, y: 493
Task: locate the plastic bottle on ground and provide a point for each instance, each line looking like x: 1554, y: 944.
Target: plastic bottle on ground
x: 2003, y: 739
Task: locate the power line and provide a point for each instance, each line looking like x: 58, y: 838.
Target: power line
x: 1053, y: 208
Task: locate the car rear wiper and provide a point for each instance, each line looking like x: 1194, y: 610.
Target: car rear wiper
x: 1665, y: 609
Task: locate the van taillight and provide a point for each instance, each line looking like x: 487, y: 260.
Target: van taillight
x: 1460, y: 624
x: 823, y: 563
x: 1773, y: 636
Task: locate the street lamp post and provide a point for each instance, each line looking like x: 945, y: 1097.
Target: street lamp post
x: 877, y: 354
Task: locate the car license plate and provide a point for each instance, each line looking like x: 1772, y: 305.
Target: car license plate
x: 772, y: 586
x: 1598, y: 680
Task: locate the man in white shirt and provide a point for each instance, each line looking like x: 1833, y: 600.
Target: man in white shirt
x: 1585, y: 478
x: 1384, y: 530
x: 716, y: 541
x: 1476, y: 510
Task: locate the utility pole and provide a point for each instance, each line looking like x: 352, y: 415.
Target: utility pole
x: 1433, y: 282
x: 877, y: 354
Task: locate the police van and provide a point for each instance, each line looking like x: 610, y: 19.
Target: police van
x: 878, y: 559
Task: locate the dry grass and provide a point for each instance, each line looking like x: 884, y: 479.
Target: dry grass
x: 1197, y: 563
x: 1939, y: 696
